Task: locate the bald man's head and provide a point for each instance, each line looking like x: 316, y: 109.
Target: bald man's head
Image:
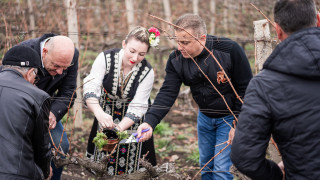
x: 57, y: 54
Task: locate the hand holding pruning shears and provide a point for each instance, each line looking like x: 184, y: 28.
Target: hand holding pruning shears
x: 144, y: 132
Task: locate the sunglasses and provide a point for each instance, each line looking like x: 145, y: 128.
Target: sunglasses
x: 36, y: 79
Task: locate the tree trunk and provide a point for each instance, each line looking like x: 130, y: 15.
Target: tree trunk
x: 225, y: 16
x: 213, y: 17
x: 18, y: 7
x: 73, y: 34
x: 130, y: 14
x: 167, y: 10
x: 195, y: 5
x: 31, y: 18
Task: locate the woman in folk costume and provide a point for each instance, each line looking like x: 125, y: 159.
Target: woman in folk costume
x: 117, y: 91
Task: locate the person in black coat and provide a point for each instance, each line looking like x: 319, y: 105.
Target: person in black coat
x: 24, y: 115
x: 60, y: 66
x: 282, y: 101
x: 213, y: 113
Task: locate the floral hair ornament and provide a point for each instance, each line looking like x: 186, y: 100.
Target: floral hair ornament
x: 154, y: 36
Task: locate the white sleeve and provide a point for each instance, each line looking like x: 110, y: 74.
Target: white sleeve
x: 93, y: 82
x: 139, y: 104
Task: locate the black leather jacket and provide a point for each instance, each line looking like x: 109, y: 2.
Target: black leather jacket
x: 24, y: 110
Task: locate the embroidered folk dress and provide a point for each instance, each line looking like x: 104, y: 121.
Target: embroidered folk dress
x: 120, y: 97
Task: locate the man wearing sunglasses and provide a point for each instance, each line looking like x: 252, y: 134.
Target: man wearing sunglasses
x: 24, y: 114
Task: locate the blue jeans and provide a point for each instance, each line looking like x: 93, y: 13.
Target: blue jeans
x: 211, y: 132
x: 56, y: 136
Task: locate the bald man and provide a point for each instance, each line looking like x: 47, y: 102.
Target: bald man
x: 60, y: 66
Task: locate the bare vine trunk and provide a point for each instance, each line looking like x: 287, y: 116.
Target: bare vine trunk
x: 73, y: 34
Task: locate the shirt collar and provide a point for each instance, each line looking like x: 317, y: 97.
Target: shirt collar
x: 42, y: 43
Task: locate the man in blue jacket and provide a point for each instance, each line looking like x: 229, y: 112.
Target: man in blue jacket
x: 60, y: 66
x: 283, y: 101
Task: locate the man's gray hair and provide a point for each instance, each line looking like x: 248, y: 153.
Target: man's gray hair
x: 22, y: 70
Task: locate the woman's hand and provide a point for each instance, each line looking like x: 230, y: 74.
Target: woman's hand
x: 105, y: 120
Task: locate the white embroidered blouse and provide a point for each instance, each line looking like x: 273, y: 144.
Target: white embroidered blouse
x: 93, y: 83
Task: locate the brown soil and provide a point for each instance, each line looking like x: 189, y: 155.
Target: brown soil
x: 182, y: 127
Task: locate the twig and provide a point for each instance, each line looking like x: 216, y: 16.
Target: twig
x: 74, y: 120
x: 275, y: 145
x: 214, y: 87
x: 272, y: 23
x: 221, y: 144
x: 69, y: 111
x: 145, y: 155
x: 209, y: 161
x: 55, y: 147
x: 227, y: 123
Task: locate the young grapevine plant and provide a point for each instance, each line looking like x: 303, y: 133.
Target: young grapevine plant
x: 100, y: 140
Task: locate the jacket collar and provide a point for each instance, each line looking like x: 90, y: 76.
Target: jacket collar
x: 12, y: 71
x: 297, y: 55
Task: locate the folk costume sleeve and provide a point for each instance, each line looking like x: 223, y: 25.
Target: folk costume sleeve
x: 166, y: 97
x: 93, y: 82
x: 241, y: 73
x: 139, y: 104
x: 252, y: 136
x: 42, y: 152
x: 66, y: 90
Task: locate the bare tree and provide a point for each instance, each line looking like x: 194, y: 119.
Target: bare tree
x: 130, y: 14
x: 73, y: 34
x: 167, y: 10
x: 18, y: 6
x: 195, y: 5
x: 168, y: 17
x: 213, y: 16
x: 31, y: 18
x: 99, y: 18
x: 225, y: 15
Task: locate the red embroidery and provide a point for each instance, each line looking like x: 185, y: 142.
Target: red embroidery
x: 221, y: 78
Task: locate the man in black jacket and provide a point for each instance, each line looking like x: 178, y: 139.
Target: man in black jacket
x: 283, y: 101
x: 24, y: 114
x: 60, y: 66
x: 213, y: 112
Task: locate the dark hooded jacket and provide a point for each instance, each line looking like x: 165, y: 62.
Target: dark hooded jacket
x: 283, y: 101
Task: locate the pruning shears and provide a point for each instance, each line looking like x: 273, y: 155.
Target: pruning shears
x: 133, y: 138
